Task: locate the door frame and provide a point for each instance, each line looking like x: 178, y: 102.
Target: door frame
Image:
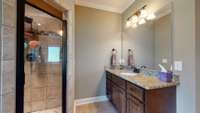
x: 20, y: 74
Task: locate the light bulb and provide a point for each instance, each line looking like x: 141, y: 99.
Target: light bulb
x: 143, y: 13
x: 142, y: 21
x: 61, y: 32
x: 128, y: 24
x: 151, y: 16
x: 134, y: 19
x: 134, y: 25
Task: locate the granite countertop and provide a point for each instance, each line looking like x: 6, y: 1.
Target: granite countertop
x: 144, y: 81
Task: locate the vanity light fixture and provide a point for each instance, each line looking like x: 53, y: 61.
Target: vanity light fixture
x: 61, y: 32
x: 140, y: 17
x: 39, y: 24
x: 142, y: 21
x: 128, y: 24
x: 134, y: 19
x: 143, y: 13
x: 132, y: 22
x: 151, y: 16
x: 135, y: 25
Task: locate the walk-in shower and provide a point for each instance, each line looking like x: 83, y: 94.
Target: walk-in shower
x: 43, y: 59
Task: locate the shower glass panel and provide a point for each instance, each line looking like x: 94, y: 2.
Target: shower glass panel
x: 42, y: 62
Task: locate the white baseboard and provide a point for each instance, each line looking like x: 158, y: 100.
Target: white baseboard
x: 79, y: 102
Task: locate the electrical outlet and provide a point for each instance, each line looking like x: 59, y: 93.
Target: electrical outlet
x: 178, y: 66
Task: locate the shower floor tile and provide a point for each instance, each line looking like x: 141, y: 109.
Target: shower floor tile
x: 55, y: 110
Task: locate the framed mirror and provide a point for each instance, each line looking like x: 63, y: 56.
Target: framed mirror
x: 151, y: 40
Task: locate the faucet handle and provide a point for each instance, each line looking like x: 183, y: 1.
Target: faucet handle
x: 143, y: 67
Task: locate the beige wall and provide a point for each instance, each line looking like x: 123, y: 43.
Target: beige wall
x: 198, y: 55
x: 184, y: 50
x: 97, y: 32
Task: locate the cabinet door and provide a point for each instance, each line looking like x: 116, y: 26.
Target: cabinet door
x: 108, y: 89
x: 134, y: 106
x: 119, y: 99
x: 114, y: 97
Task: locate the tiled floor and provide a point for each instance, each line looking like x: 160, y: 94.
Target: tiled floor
x: 101, y: 107
x: 55, y: 110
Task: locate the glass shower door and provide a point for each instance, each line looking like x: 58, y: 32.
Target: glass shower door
x: 42, y: 62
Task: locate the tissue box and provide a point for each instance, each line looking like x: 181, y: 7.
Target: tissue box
x: 166, y: 76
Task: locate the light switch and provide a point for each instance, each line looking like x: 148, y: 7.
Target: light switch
x: 178, y: 66
x: 164, y: 61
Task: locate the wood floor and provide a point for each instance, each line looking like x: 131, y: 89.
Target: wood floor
x: 101, y: 107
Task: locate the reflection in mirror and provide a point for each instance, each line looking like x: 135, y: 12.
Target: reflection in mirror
x: 150, y: 41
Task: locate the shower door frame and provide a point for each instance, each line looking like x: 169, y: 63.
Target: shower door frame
x: 20, y: 74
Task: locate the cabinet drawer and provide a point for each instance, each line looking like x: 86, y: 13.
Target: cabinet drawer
x: 135, y: 92
x: 119, y: 82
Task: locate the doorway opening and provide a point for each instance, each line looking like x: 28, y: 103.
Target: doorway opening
x: 41, y: 59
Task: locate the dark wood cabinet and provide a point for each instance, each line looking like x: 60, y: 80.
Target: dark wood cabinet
x: 135, y: 91
x: 119, y: 98
x: 134, y: 105
x: 115, y: 90
x: 108, y: 88
x: 130, y: 98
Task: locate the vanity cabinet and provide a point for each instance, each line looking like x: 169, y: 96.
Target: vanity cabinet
x: 135, y: 99
x: 108, y: 87
x: 119, y: 99
x: 128, y: 97
x: 116, y: 92
x: 134, y: 105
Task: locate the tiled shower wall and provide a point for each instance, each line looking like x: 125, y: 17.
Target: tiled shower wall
x: 8, y: 56
x: 43, y: 82
x: 8, y: 52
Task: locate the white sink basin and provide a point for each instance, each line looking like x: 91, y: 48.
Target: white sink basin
x: 129, y: 74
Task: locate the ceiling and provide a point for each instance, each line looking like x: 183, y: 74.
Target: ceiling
x: 117, y: 6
